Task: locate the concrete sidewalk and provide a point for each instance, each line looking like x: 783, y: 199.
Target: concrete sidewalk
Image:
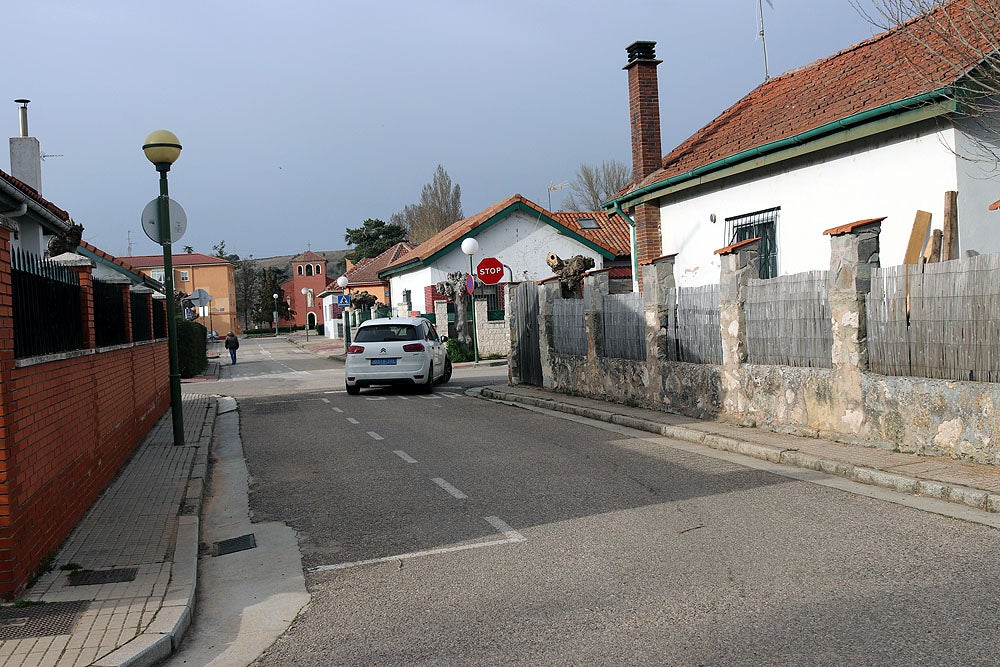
x: 122, y: 588
x: 971, y: 484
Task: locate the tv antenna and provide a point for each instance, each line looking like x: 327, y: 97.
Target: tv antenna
x: 48, y: 155
x: 763, y: 42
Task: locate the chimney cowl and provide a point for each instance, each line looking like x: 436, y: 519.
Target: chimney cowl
x: 641, y: 51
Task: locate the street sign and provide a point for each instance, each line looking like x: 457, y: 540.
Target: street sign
x: 343, y: 299
x: 151, y: 221
x: 470, y: 284
x: 200, y: 297
x: 489, y: 271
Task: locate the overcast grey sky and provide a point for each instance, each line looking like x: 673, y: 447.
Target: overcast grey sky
x: 301, y: 118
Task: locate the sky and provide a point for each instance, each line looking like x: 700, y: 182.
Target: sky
x: 302, y: 118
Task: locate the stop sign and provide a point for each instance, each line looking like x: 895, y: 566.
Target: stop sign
x: 489, y: 271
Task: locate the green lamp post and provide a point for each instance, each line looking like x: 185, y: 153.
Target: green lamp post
x: 162, y: 148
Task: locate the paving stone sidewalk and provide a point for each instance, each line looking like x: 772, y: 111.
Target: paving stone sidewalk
x: 122, y: 588
x: 971, y: 484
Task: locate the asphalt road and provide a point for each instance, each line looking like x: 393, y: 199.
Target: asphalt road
x: 451, y: 530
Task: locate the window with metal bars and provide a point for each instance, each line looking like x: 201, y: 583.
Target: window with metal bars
x: 762, y: 225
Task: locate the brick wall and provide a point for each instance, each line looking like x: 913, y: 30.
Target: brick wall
x: 67, y: 425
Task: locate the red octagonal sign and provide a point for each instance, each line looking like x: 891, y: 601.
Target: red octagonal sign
x: 489, y: 271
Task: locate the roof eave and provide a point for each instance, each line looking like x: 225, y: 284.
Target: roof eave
x: 908, y: 111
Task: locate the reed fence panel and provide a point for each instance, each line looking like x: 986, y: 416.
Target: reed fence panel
x: 788, y: 321
x: 697, y: 334
x: 624, y: 326
x: 569, y: 334
x: 952, y: 331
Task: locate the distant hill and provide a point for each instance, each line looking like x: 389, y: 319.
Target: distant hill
x: 334, y: 258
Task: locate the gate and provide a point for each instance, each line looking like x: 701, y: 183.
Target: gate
x: 528, y: 369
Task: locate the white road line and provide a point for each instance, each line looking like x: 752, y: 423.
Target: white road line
x: 375, y: 436
x: 374, y: 398
x: 405, y: 398
x: 403, y: 455
x: 341, y: 391
x: 447, y: 394
x: 504, y: 528
x: 513, y: 537
x: 449, y: 488
x: 325, y: 400
x: 353, y: 420
x: 338, y: 410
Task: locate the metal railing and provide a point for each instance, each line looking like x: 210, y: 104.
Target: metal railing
x: 48, y: 316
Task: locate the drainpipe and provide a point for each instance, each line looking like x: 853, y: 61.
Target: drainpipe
x: 633, y: 244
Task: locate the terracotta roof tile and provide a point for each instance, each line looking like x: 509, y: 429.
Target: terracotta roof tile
x: 365, y: 272
x: 309, y: 256
x: 34, y: 194
x: 890, y: 67
x: 612, y: 235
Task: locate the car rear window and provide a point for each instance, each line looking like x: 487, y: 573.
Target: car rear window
x: 386, y: 333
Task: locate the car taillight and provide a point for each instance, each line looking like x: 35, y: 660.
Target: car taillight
x: 356, y: 349
x: 413, y: 347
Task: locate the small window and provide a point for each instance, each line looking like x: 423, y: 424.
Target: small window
x: 319, y: 270
x: 588, y: 223
x: 309, y: 269
x: 157, y: 274
x: 184, y: 276
x: 299, y: 269
x: 762, y: 225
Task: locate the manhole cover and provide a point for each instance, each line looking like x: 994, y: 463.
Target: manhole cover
x: 91, y: 578
x: 241, y: 543
x: 40, y: 620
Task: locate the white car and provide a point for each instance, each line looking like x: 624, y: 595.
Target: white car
x: 396, y: 350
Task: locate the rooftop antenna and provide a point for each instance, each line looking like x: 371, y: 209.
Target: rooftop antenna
x: 45, y: 155
x: 130, y: 243
x: 763, y: 42
x: 554, y: 186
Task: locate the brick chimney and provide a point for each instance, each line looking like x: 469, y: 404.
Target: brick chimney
x: 644, y: 114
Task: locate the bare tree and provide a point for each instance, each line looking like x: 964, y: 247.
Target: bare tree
x: 440, y: 205
x: 953, y: 46
x: 453, y: 287
x: 594, y: 185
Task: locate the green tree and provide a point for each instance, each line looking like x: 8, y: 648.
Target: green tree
x: 219, y: 250
x: 373, y: 238
x: 440, y: 205
x: 270, y: 284
x: 188, y: 249
x: 594, y: 185
x: 248, y: 279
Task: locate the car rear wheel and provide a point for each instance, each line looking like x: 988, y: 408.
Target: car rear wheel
x: 428, y: 387
x: 353, y: 390
x: 447, y: 371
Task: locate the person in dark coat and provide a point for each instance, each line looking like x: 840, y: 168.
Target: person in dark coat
x: 232, y: 344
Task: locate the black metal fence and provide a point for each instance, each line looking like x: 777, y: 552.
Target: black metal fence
x: 141, y: 329
x: 47, y: 314
x: 109, y: 314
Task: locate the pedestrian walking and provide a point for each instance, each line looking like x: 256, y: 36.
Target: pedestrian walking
x: 232, y: 344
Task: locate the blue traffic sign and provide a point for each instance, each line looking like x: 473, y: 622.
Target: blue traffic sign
x: 343, y: 299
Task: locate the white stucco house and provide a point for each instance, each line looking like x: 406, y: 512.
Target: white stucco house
x: 518, y: 233
x: 871, y: 131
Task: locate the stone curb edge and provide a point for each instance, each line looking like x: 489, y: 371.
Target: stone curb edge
x: 976, y: 498
x: 163, y: 636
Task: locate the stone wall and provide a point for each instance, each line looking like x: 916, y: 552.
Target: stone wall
x: 846, y: 402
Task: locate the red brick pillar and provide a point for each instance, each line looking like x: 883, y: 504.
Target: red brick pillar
x: 6, y: 404
x: 84, y: 270
x: 127, y: 306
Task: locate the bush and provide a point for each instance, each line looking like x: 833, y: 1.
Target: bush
x: 319, y: 329
x: 191, y: 346
x: 458, y: 352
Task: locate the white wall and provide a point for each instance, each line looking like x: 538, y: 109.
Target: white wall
x: 894, y: 177
x: 978, y: 187
x: 520, y: 241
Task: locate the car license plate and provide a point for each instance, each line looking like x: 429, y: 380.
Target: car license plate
x: 383, y: 362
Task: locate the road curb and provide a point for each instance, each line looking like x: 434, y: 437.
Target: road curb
x: 953, y: 493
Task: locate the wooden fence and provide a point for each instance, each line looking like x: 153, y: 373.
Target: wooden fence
x: 952, y: 330
x: 624, y: 326
x: 788, y: 321
x: 569, y: 335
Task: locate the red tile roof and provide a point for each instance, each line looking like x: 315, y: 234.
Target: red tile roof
x: 179, y: 260
x: 891, y: 67
x: 612, y: 235
x: 309, y: 256
x: 34, y: 194
x: 365, y: 272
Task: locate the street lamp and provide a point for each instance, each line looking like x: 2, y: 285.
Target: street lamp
x: 162, y: 148
x: 275, y: 295
x: 342, y: 282
x: 307, y: 293
x: 470, y: 247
